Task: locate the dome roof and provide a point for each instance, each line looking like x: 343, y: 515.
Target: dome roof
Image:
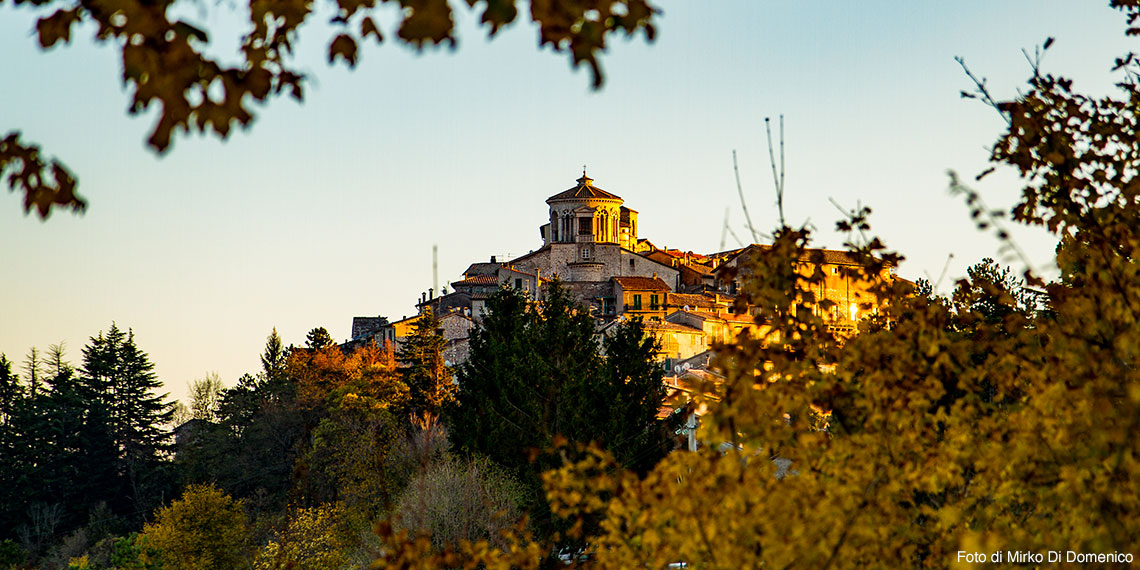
x: 585, y: 190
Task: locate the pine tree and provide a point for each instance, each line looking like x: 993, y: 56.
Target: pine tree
x: 318, y: 338
x: 428, y: 378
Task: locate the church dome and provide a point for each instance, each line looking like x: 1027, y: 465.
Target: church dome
x: 585, y: 190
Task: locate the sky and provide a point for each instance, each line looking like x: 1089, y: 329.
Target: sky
x: 329, y: 209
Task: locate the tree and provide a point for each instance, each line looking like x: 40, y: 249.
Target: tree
x: 250, y: 452
x: 205, y: 528
x: 317, y: 538
x: 10, y: 389
x: 275, y: 356
x: 455, y: 499
x: 33, y: 364
x: 535, y: 374
x: 1035, y: 453
x: 120, y: 377
x: 168, y: 61
x: 353, y: 402
x: 429, y: 380
x: 317, y: 338
x: 58, y: 456
x: 206, y: 397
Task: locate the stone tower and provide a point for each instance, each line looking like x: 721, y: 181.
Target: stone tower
x: 588, y: 214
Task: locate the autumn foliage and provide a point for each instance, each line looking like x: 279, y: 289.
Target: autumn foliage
x: 1001, y: 418
x: 364, y: 378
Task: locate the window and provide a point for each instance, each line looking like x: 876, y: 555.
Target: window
x: 631, y: 264
x: 585, y: 253
x: 585, y: 226
x: 608, y: 305
x: 518, y: 283
x: 654, y: 301
x: 637, y: 302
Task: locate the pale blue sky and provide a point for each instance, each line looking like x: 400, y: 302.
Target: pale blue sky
x: 329, y: 209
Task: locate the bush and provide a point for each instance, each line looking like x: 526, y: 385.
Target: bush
x: 460, y: 500
x: 204, y: 530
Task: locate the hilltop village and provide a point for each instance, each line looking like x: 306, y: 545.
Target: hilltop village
x: 591, y: 244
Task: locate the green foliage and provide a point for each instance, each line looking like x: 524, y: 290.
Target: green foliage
x: 10, y: 389
x: 346, y: 459
x: 58, y: 455
x: 317, y: 538
x: 274, y: 357
x: 119, y: 376
x: 535, y: 374
x: 11, y: 554
x: 965, y: 425
x: 250, y: 451
x: 429, y: 380
x: 135, y: 552
x: 317, y: 339
x: 204, y: 529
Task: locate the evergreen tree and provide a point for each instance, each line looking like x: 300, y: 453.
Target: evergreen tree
x: 57, y: 452
x: 119, y: 376
x: 32, y: 371
x: 633, y: 391
x: 275, y: 356
x: 535, y: 373
x: 318, y: 338
x: 10, y: 389
x: 421, y: 358
x: 250, y: 452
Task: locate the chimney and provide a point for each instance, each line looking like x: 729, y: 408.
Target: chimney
x: 493, y: 259
x: 431, y: 293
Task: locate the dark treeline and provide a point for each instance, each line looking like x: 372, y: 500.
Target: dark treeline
x: 293, y: 465
x: 86, y: 447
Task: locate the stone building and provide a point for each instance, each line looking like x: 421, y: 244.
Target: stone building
x: 590, y: 243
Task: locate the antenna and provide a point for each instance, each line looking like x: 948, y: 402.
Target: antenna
x: 435, y: 266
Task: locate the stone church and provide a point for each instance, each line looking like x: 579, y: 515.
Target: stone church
x: 590, y: 243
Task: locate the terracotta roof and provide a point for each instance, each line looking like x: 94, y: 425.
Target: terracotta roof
x: 478, y: 280
x: 642, y: 283
x: 584, y: 189
x: 692, y: 300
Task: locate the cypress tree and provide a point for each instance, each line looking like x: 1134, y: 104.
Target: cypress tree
x: 421, y: 357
